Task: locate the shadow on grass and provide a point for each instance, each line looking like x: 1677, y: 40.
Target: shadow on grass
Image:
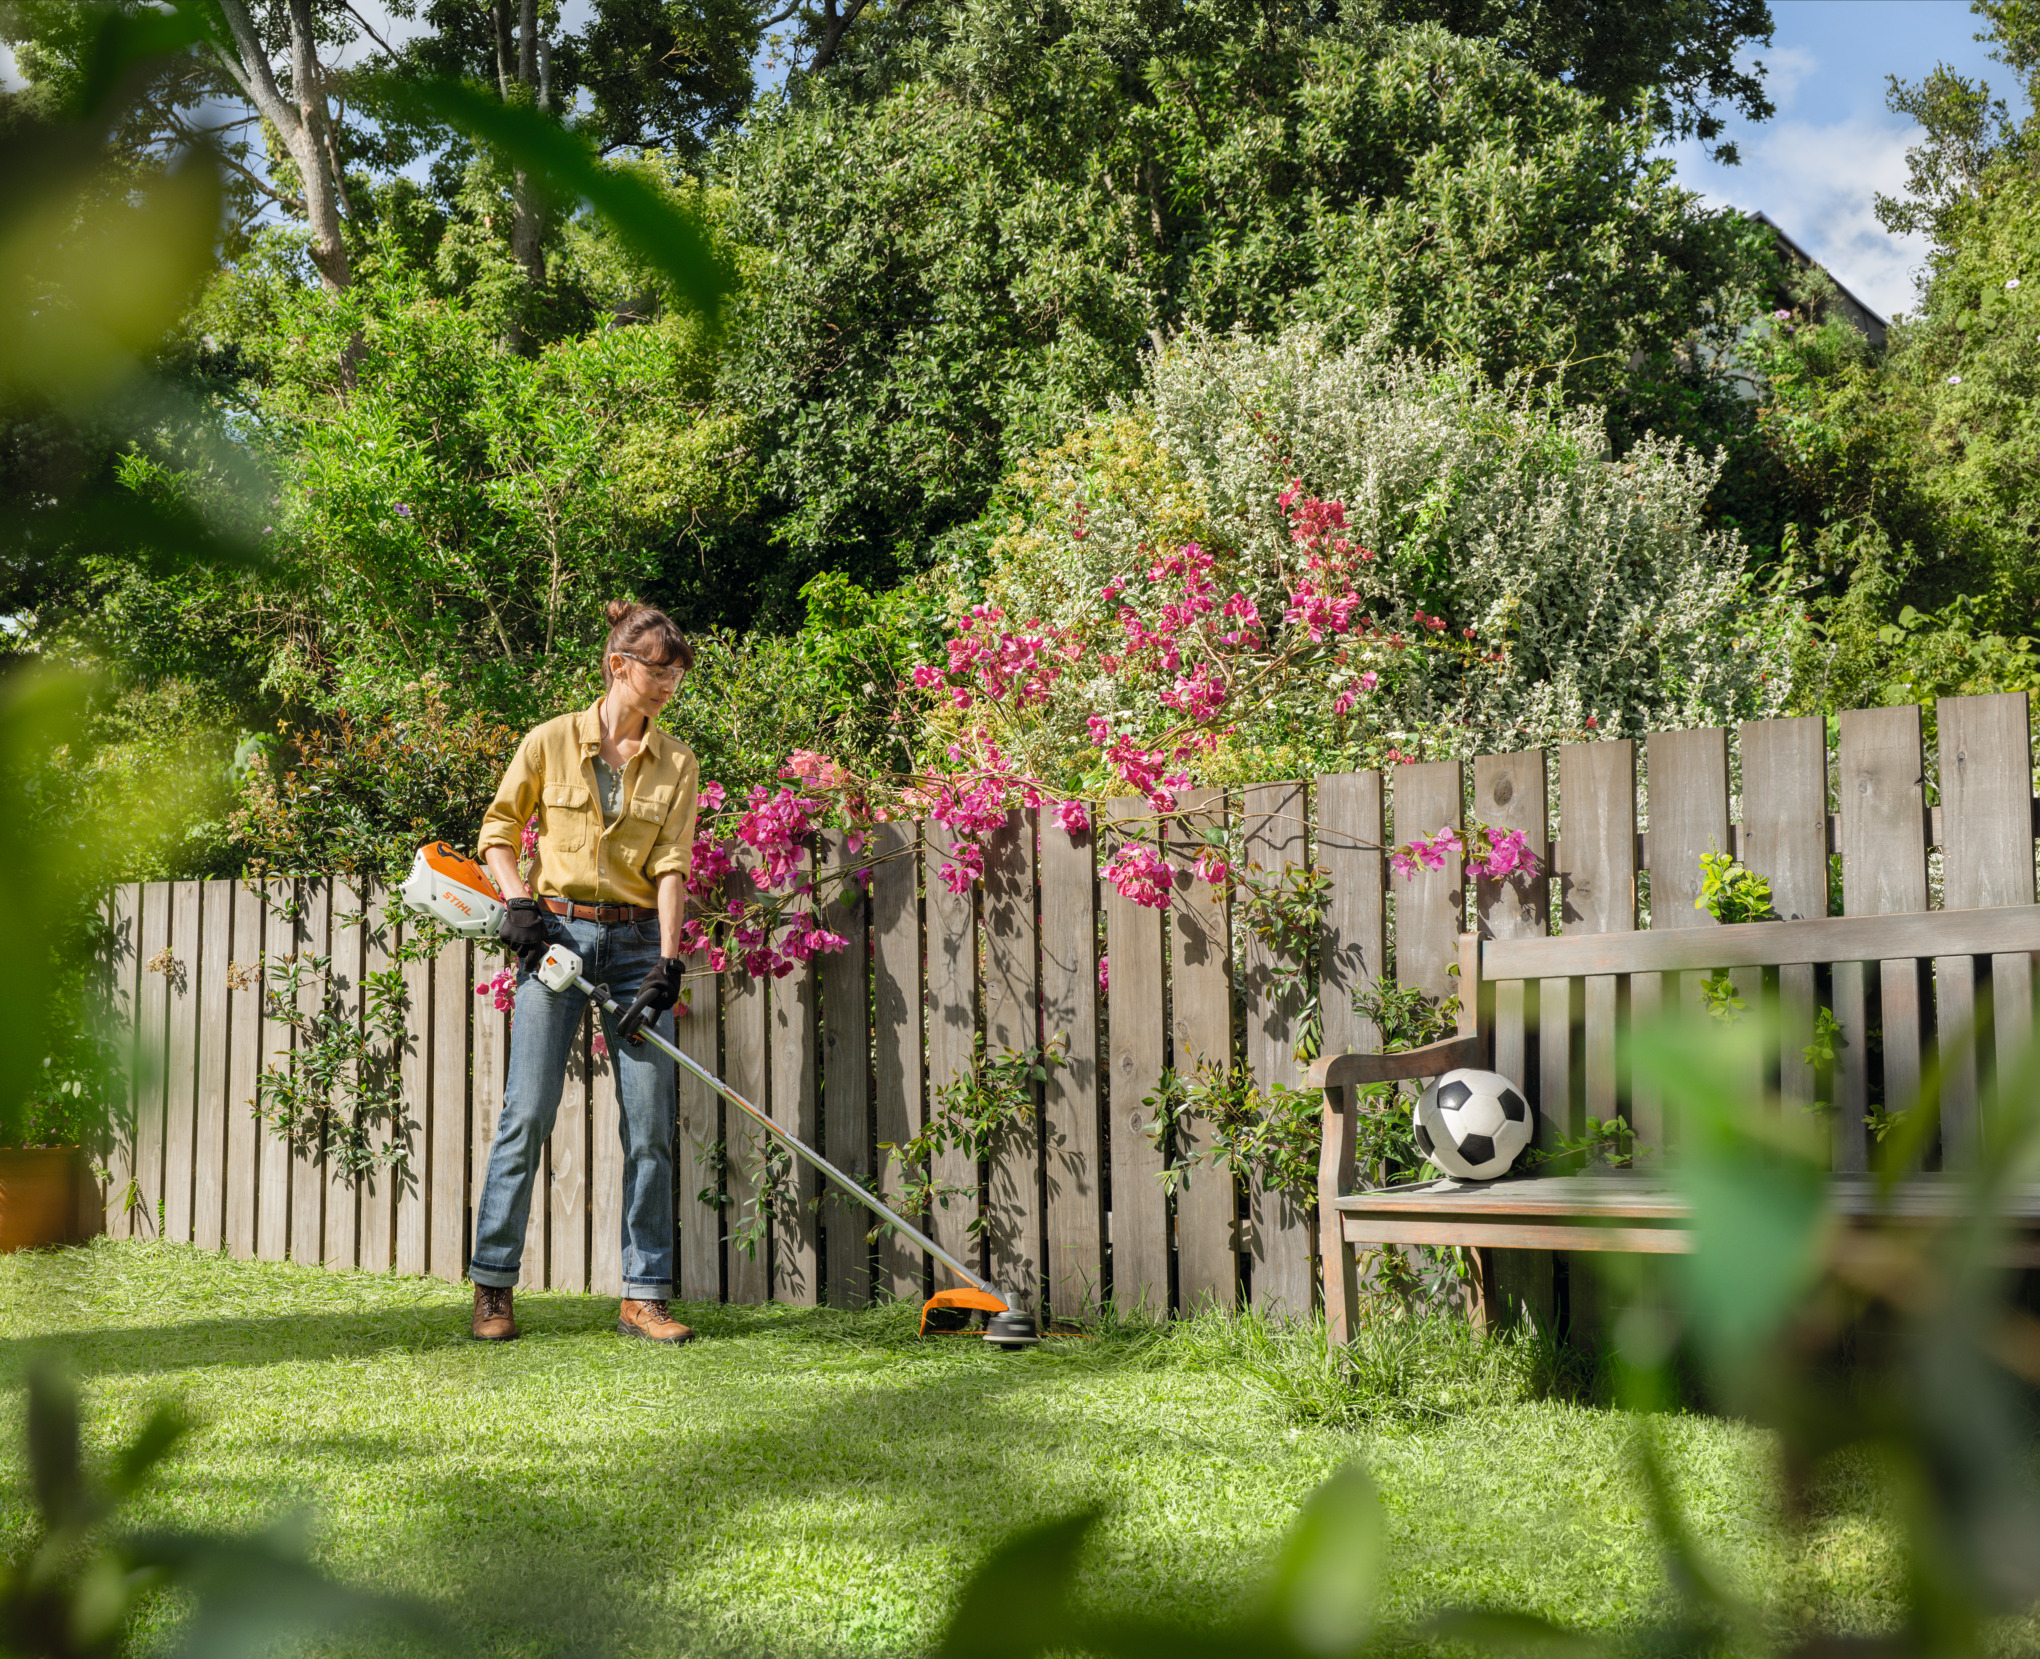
x: 802, y: 1480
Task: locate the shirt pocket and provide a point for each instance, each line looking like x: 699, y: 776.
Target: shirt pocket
x: 567, y: 810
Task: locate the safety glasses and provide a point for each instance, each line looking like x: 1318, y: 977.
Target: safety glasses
x: 660, y: 672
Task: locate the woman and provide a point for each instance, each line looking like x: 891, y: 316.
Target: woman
x: 615, y: 802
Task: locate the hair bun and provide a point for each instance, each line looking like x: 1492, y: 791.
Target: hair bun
x: 617, y: 609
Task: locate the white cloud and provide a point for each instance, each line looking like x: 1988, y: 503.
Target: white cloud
x: 1819, y: 182
x: 1785, y: 67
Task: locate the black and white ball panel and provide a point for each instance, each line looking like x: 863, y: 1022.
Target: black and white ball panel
x: 1473, y: 1124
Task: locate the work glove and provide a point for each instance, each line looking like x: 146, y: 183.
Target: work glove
x: 527, y: 931
x: 659, y: 992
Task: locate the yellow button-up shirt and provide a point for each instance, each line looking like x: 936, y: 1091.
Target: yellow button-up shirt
x: 579, y: 856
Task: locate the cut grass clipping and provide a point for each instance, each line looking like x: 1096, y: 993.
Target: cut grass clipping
x: 812, y: 1481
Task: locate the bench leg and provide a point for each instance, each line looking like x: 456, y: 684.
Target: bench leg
x: 1342, y: 1282
x: 1336, y: 1266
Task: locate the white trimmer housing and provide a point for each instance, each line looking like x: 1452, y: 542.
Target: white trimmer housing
x: 560, y: 969
x: 455, y: 891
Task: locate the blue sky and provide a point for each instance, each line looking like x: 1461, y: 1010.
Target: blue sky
x: 1817, y: 164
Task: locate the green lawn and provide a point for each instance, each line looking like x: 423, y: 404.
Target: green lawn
x: 809, y: 1482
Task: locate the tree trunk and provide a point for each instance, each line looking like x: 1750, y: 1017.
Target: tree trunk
x: 302, y: 121
x: 527, y: 214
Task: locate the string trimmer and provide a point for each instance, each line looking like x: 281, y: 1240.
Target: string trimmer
x: 459, y: 894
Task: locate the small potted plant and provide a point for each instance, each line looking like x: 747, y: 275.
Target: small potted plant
x: 48, y: 1190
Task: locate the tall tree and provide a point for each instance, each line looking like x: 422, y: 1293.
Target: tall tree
x: 1676, y: 63
x: 269, y: 69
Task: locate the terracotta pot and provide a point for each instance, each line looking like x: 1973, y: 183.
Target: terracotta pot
x: 39, y: 1195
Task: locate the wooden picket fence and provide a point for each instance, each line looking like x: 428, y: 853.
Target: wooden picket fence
x: 848, y: 1052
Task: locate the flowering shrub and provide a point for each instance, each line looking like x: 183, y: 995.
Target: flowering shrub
x: 1283, y: 558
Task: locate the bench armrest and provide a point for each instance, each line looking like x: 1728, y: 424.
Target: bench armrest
x: 1337, y: 1071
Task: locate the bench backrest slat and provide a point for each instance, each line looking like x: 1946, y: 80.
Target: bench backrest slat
x: 1996, y: 931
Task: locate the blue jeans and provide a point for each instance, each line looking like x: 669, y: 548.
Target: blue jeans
x: 544, y: 1027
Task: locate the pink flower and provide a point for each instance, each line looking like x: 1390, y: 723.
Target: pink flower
x: 718, y: 959
x: 1431, y: 853
x: 1210, y: 866
x: 1104, y: 973
x: 927, y: 678
x: 600, y: 1044
x: 1509, y: 853
x: 1100, y: 729
x: 1141, y: 875
x: 500, y: 989
x: 712, y: 796
x: 1071, y: 817
x: 1369, y: 680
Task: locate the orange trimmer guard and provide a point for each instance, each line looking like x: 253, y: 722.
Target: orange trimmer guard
x: 948, y: 1311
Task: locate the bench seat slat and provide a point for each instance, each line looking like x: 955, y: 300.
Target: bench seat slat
x: 1643, y: 1198
x: 1999, y: 930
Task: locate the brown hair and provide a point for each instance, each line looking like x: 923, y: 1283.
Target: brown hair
x: 645, y: 631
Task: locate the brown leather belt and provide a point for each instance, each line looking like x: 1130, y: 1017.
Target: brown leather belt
x: 597, y: 912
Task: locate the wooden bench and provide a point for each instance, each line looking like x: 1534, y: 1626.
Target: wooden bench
x: 1950, y: 988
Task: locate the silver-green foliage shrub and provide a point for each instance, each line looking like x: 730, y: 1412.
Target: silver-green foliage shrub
x: 1610, y: 604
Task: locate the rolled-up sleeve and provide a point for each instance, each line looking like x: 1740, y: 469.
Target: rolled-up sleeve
x: 516, y: 798
x: 673, y: 852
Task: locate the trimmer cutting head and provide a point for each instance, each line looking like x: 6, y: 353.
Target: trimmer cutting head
x: 948, y: 1313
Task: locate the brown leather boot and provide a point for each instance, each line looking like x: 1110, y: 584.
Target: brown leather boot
x: 651, y: 1321
x: 495, y: 1320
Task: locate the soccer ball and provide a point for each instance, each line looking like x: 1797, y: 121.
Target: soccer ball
x: 1473, y: 1124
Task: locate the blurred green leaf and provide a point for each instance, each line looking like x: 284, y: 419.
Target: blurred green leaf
x: 1018, y: 1603
x: 1327, y: 1576
x: 53, y: 1448
x: 91, y: 282
x: 39, y: 709
x: 130, y: 41
x: 1755, y: 1179
x: 658, y: 231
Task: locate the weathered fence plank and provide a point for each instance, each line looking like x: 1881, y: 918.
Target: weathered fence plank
x: 1280, y: 1237
x: 846, y: 1086
x: 1509, y: 794
x: 209, y: 1123
x: 1881, y: 782
x: 343, y: 1191
x: 124, y: 1013
x: 447, y: 1237
x: 307, y: 1168
x: 796, y: 1261
x: 1070, y: 1119
x: 746, y: 1250
x: 1688, y: 818
x: 1594, y: 879
x: 1200, y: 1007
x: 414, y: 1070
x: 1135, y: 1028
x: 272, y: 1186
x: 952, y: 1030
x: 898, y: 1062
x: 180, y: 1103
x: 1349, y: 851
x: 1013, y: 1200
x: 244, y: 1063
x: 377, y: 1227
x: 1987, y: 859
x: 1784, y: 839
x: 697, y: 1127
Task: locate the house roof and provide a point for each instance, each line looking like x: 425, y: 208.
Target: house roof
x: 1872, y: 326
